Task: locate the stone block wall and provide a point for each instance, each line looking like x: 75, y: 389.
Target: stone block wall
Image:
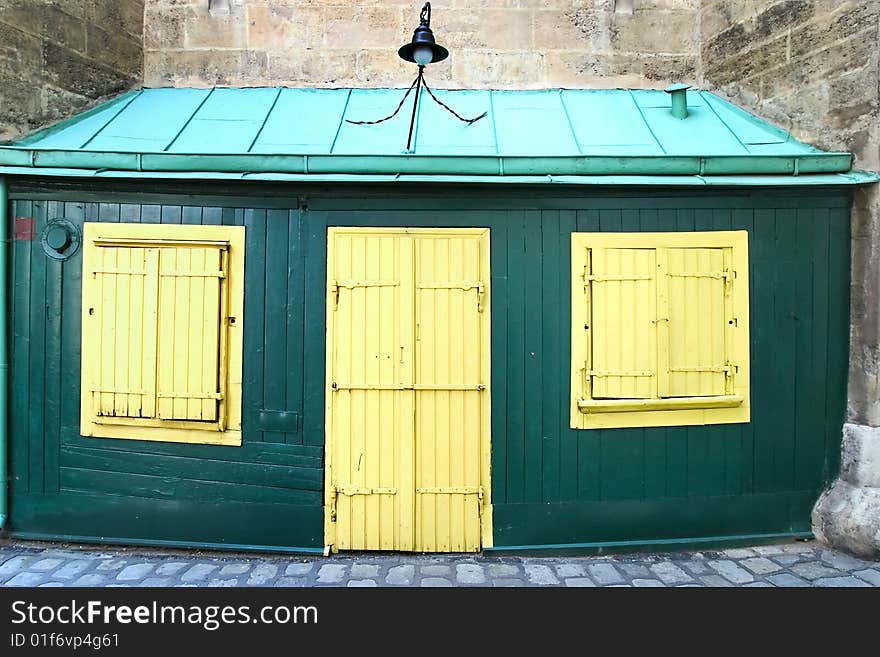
x: 493, y: 43
x: 813, y: 67
x: 57, y: 56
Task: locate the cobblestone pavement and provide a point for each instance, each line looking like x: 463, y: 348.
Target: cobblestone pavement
x: 24, y: 563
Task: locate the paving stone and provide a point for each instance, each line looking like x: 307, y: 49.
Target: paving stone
x: 714, y: 580
x: 45, y: 565
x: 604, y: 573
x: 670, y: 573
x: 540, y: 574
x: 787, y: 579
x: 761, y: 565
x: 635, y: 570
x: 156, y: 582
x: 508, y: 582
x: 839, y: 582
x: 52, y: 585
x: 72, y: 569
x: 648, y: 583
x: 366, y: 583
x: 759, y: 585
x: 171, y: 567
x: 843, y: 561
x: 90, y: 579
x: 364, y: 571
x: 729, y: 570
x: 14, y: 565
x: 738, y: 553
x: 299, y: 569
x: 262, y: 574
x: 696, y: 566
x: 298, y: 582
x: 797, y: 548
x: 788, y: 559
x: 219, y: 582
x: 767, y: 550
x: 813, y: 570
x: 869, y: 575
x: 135, y: 571
x: 570, y: 570
x: 331, y: 573
x: 235, y: 569
x: 111, y: 564
x: 580, y: 582
x: 401, y: 575
x: 26, y: 579
x: 199, y: 571
x: 468, y: 573
x: 437, y: 570
x: 435, y: 582
x: 503, y: 570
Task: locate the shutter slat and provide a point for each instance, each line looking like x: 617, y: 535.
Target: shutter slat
x: 697, y: 359
x: 623, y: 299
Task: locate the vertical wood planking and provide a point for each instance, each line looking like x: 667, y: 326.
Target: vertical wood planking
x: 553, y: 243
x: 813, y: 241
x: 838, y: 326
x: 516, y: 401
x: 787, y: 366
x: 254, y: 328
x: 763, y: 301
x: 53, y: 385
x: 276, y: 292
x: 19, y: 389
x: 315, y: 256
x: 500, y: 279
x: 295, y: 308
x: 561, y: 278
x: 533, y: 358
x: 37, y: 361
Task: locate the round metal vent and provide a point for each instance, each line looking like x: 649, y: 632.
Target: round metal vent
x: 60, y: 239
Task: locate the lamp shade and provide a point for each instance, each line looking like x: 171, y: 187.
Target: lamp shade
x: 423, y: 38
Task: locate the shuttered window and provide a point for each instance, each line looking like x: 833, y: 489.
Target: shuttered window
x: 659, y: 329
x: 161, y: 335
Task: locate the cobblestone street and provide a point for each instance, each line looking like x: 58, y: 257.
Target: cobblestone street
x: 792, y: 564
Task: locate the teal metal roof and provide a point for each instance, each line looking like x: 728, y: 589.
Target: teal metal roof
x: 275, y: 133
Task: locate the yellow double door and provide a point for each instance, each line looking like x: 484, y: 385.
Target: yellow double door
x: 408, y: 408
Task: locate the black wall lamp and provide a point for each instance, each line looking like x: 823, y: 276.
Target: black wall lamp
x: 422, y: 50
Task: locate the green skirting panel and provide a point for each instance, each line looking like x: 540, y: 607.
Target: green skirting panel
x: 633, y: 523
x: 223, y: 524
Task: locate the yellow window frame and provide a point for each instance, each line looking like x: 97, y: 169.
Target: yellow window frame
x: 230, y: 241
x: 659, y: 410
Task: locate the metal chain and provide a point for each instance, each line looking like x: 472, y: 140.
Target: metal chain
x: 420, y: 78
x: 394, y: 113
x: 449, y: 109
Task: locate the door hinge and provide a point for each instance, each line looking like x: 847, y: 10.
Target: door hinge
x: 334, y: 295
x: 362, y: 490
x: 332, y: 505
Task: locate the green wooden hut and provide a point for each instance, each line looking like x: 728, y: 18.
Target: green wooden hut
x: 237, y: 319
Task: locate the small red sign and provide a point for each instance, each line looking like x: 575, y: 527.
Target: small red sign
x: 25, y: 228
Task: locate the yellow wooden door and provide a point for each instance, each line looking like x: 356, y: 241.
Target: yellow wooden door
x: 408, y: 443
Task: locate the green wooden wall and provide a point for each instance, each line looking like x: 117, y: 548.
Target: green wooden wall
x: 551, y: 485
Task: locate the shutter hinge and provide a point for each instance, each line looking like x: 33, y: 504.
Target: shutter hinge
x: 481, y: 294
x: 334, y: 293
x: 332, y: 504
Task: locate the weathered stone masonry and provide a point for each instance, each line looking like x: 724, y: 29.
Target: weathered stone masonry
x: 809, y: 65
x: 812, y: 67
x: 57, y: 56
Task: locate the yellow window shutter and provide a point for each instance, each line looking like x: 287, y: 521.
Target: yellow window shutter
x: 622, y: 297
x: 191, y: 309
x: 694, y: 357
x: 124, y: 374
